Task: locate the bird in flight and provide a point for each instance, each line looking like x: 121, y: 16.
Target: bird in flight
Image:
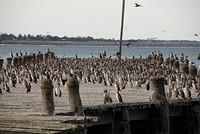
x: 137, y: 5
x: 129, y: 43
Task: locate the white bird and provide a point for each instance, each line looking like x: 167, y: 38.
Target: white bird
x: 187, y: 92
x: 58, y: 92
x: 117, y: 87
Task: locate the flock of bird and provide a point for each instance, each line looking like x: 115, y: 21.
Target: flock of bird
x: 105, y: 70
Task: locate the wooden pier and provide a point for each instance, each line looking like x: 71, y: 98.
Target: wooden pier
x: 128, y: 118
x: 23, y: 113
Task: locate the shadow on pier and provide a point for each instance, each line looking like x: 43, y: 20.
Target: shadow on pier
x: 145, y: 118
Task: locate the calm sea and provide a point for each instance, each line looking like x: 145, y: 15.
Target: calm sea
x: 87, y: 51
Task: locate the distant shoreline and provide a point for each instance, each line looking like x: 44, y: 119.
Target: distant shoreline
x: 153, y: 43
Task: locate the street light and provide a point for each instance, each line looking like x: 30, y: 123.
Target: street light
x: 121, y: 32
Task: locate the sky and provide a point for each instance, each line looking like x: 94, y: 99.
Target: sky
x: 156, y: 19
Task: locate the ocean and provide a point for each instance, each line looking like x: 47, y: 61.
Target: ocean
x: 89, y: 50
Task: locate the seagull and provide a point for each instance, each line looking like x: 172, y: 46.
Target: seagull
x: 137, y: 5
x: 11, y: 54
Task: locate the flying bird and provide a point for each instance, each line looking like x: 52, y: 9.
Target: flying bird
x: 128, y: 44
x: 137, y: 5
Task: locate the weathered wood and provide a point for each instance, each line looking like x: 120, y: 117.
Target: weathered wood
x: 74, y: 95
x: 47, y: 96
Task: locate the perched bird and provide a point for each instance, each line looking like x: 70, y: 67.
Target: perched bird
x: 7, y: 88
x: 58, y: 91
x: 107, y: 98
x: 137, y: 5
x: 119, y: 97
x: 117, y: 87
x: 21, y: 53
x: 11, y: 54
x: 1, y: 91
x: 181, y: 93
x: 28, y: 88
x: 187, y: 92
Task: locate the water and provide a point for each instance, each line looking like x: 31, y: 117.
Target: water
x: 87, y: 51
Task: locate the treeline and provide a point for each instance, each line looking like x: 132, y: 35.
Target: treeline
x: 27, y: 37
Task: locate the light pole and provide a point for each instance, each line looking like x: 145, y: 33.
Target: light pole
x: 121, y: 32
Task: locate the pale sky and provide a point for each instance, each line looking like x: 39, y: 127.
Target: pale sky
x: 162, y: 19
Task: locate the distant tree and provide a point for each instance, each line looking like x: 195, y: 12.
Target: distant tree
x: 19, y: 37
x: 24, y: 37
x: 28, y: 37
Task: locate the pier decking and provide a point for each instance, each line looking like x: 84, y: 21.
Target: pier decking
x: 23, y: 113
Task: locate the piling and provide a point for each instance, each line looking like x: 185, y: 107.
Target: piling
x: 176, y: 65
x: 184, y: 68
x: 156, y: 85
x: 1, y: 63
x: 9, y: 61
x: 47, y: 96
x: 74, y: 95
x: 192, y: 71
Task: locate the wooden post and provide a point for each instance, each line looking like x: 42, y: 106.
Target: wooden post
x: 74, y: 95
x: 192, y: 71
x: 157, y: 88
x: 176, y: 65
x: 9, y: 62
x: 184, y: 68
x: 47, y: 96
x: 1, y: 64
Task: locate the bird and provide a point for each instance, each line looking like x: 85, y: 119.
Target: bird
x: 1, y: 91
x: 28, y: 88
x: 107, y: 98
x: 128, y: 44
x: 21, y: 53
x: 11, y: 54
x: 117, y: 87
x: 119, y: 97
x: 196, y: 34
x: 58, y: 92
x: 181, y: 93
x: 137, y: 5
x: 187, y: 91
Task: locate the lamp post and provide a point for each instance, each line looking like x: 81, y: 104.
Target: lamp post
x: 121, y: 32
